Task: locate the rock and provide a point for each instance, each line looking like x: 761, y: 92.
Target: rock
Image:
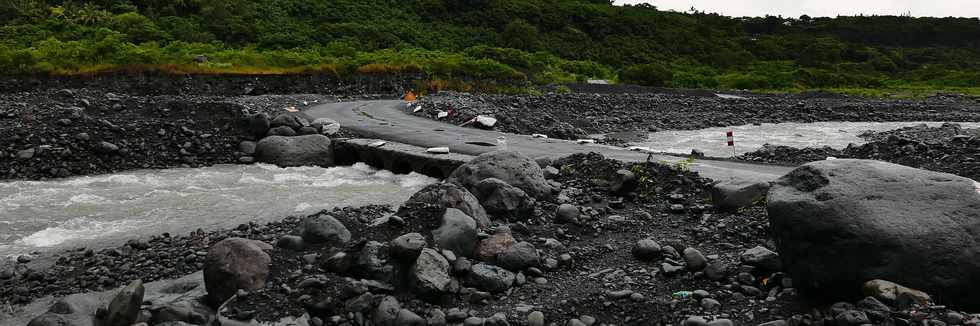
x: 234, y: 264
x: 295, y: 151
x: 889, y: 292
x: 450, y: 195
x: 488, y: 248
x: 954, y: 318
x: 282, y: 131
x: 290, y: 242
x: 125, y: 306
x: 26, y: 154
x: 550, y: 173
x: 407, y: 247
x: 694, y: 259
x: 490, y: 278
x: 721, y: 322
x: 247, y: 147
x: 646, y: 249
x: 518, y: 257
x: 695, y: 321
x: 430, y: 274
x: 386, y: 314
x: 106, y: 148
x: 503, y: 200
x: 307, y: 131
x: 457, y: 233
x: 259, y: 125
x: 50, y: 319
x: 510, y: 167
x: 839, y: 223
x: 325, y: 229
x: 710, y: 305
x: 326, y: 126
x: 436, y: 318
x: 535, y: 318
x: 290, y: 120
x: 193, y: 312
x: 566, y: 213
x: 623, y: 182
x: 715, y: 271
x: 408, y: 318
x: 734, y: 194
x: 762, y: 257
x: 497, y: 319
x: 851, y: 318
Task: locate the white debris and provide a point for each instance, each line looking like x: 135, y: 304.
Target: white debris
x: 585, y: 141
x: 442, y: 114
x: 539, y: 136
x: 486, y: 121
x: 831, y: 158
x: 378, y: 143
x: 418, y: 108
x: 438, y: 150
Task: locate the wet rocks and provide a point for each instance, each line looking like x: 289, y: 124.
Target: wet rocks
x: 457, y: 233
x: 566, y: 213
x: 877, y: 211
x: 511, y: 167
x: 325, y: 229
x: 234, y: 264
x: 295, y: 151
x: 125, y: 306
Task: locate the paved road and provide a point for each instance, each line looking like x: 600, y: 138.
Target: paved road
x: 391, y: 121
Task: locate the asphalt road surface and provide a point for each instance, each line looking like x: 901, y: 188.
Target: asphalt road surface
x: 391, y: 120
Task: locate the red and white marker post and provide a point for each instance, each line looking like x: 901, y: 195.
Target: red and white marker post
x: 731, y: 140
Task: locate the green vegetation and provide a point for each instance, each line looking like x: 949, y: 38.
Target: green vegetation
x: 511, y: 41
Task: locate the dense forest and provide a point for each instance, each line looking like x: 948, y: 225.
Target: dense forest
x: 518, y: 41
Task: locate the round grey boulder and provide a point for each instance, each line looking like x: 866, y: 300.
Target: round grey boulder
x: 308, y: 150
x: 840, y: 223
x: 457, y: 233
x: 233, y: 264
x: 510, y: 167
x: 519, y: 257
x: 326, y: 126
x: 647, y: 249
x: 566, y: 213
x: 325, y: 229
x: 490, y: 278
x: 407, y: 247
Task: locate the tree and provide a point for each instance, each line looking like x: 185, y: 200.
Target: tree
x: 650, y: 74
x: 519, y: 34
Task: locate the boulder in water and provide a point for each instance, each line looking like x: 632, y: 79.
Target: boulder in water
x: 295, y: 151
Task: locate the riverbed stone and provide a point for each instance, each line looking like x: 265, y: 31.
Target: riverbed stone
x: 407, y: 247
x: 730, y: 195
x: 490, y: 278
x: 430, y: 274
x: 457, y: 233
x: 500, y: 240
x: 125, y: 306
x: 308, y: 150
x: 233, y: 264
x: 503, y: 200
x: 325, y: 229
x: 518, y: 257
x: 449, y: 195
x: 511, y: 167
x: 840, y: 223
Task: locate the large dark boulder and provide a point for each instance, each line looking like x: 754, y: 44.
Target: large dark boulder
x: 233, y: 264
x: 449, y: 195
x: 295, y: 151
x: 509, y: 166
x: 840, y: 223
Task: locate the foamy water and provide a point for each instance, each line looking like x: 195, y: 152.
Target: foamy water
x: 712, y: 141
x: 107, y: 209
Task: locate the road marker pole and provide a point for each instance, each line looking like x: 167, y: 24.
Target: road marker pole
x: 731, y: 140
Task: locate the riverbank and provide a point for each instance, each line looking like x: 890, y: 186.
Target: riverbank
x: 598, y: 264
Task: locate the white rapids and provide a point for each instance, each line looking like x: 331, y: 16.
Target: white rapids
x: 108, y: 209
x: 713, y: 142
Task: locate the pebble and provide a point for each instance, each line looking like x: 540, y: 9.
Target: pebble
x: 694, y: 259
x: 647, y: 249
x: 721, y: 322
x: 695, y: 321
x: 710, y: 305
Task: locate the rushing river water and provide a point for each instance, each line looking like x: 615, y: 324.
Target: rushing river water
x: 107, y: 209
x: 712, y: 141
